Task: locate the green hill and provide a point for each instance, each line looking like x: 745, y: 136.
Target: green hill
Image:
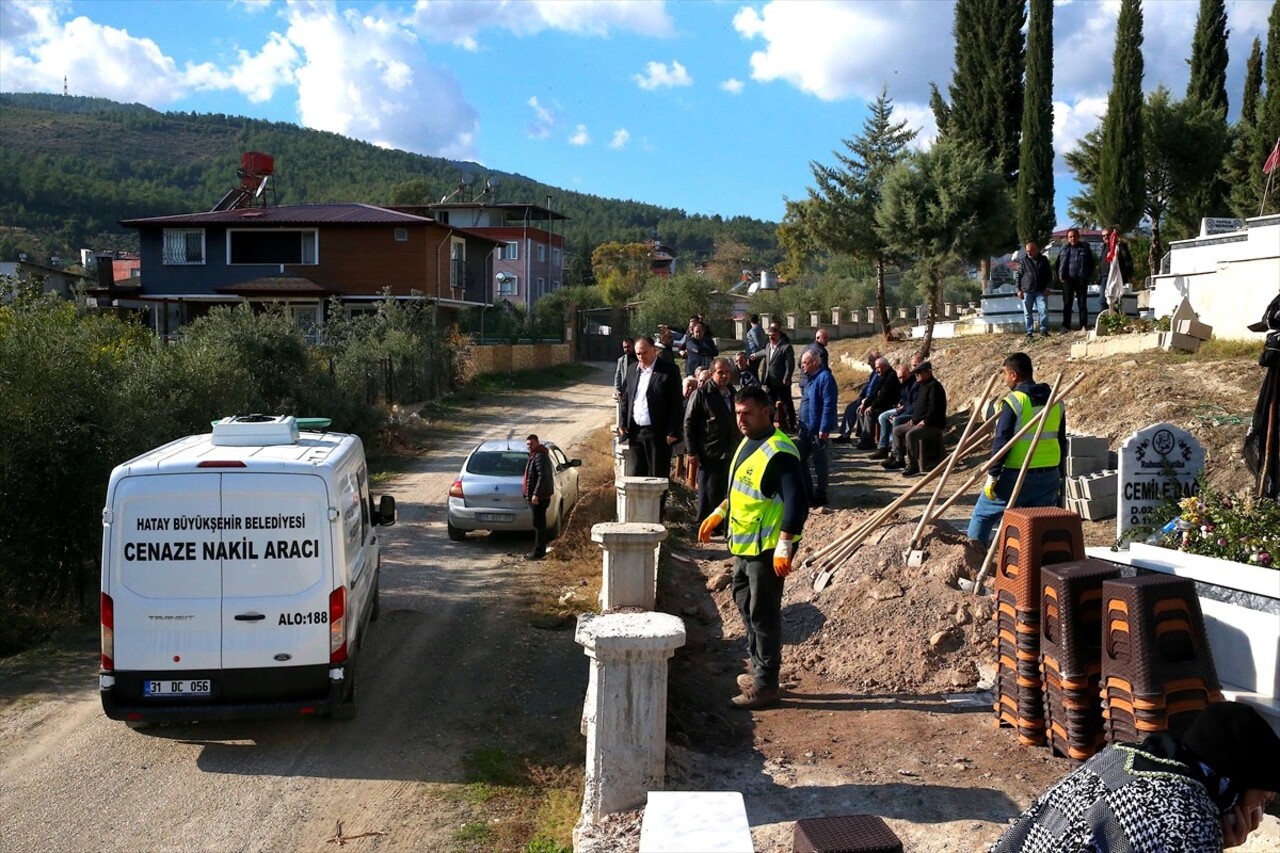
x: 71, y: 168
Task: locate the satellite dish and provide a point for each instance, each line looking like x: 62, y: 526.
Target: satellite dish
x: 468, y: 179
x: 504, y: 277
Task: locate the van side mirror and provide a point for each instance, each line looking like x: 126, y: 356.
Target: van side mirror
x: 386, y: 510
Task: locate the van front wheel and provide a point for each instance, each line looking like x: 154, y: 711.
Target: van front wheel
x: 346, y: 710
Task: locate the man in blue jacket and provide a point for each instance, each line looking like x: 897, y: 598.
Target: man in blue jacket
x: 817, y: 423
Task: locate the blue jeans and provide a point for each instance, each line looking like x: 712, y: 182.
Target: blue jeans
x: 1040, y: 488
x: 1036, y: 302
x: 889, y: 419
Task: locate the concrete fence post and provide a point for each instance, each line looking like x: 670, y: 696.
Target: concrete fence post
x: 640, y: 499
x: 626, y: 713
x: 630, y: 563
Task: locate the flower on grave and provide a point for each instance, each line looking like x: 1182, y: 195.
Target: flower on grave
x: 1264, y: 558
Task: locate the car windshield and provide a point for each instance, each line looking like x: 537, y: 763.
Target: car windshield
x: 497, y: 463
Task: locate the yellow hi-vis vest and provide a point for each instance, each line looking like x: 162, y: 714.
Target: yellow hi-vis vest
x: 1048, y: 454
x: 755, y: 521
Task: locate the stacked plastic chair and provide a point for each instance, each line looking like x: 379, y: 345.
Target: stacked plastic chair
x: 1157, y: 670
x: 1071, y: 654
x: 1029, y: 538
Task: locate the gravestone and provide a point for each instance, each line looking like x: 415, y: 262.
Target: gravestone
x: 1157, y: 462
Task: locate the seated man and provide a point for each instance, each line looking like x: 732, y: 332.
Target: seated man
x: 886, y: 396
x: 900, y: 413
x: 851, y: 424
x: 928, y: 420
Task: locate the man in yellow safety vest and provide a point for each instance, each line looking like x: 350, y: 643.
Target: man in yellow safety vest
x: 766, y: 509
x: 1043, y: 483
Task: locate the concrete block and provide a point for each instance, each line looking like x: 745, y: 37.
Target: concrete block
x: 695, y: 822
x: 1174, y: 340
x: 640, y: 499
x: 1195, y: 329
x: 630, y: 563
x: 1087, y: 445
x: 1081, y: 466
x: 1101, y: 486
x: 1073, y: 487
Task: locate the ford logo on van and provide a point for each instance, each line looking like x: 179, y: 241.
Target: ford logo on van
x: 282, y: 657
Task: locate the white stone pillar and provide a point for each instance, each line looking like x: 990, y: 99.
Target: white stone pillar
x: 815, y: 318
x: 837, y: 316
x: 630, y: 563
x: 740, y: 325
x: 640, y: 498
x: 626, y: 717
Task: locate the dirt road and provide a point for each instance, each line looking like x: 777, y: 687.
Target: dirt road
x: 451, y: 671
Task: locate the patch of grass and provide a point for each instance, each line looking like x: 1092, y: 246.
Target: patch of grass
x: 493, y: 766
x: 1221, y: 348
x: 478, y: 792
x: 474, y: 832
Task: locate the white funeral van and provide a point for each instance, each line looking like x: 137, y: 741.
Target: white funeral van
x: 239, y: 574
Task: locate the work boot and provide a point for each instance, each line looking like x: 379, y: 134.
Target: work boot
x: 866, y: 444
x: 912, y: 471
x: 891, y: 463
x: 754, y: 697
x: 880, y: 453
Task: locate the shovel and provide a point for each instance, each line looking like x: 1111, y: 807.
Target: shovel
x: 915, y: 555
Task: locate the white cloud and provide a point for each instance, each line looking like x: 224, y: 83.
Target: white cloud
x: 544, y: 120
x: 365, y: 77
x: 1073, y: 120
x: 733, y: 86
x: 621, y: 137
x: 835, y: 50
x: 580, y: 136
x: 659, y: 75
x: 460, y: 22
x: 919, y: 117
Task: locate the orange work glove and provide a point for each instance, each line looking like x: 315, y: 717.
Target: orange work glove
x: 782, y: 558
x: 711, y: 522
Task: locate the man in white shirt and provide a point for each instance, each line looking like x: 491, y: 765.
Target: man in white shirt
x: 652, y: 411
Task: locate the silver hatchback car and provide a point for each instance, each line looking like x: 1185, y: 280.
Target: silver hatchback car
x: 488, y: 493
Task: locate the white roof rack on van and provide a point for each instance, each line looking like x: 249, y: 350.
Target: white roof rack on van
x: 255, y: 430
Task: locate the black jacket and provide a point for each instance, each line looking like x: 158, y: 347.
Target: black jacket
x: 710, y: 428
x: 1074, y: 264
x: 1034, y: 274
x: 666, y: 402
x: 779, y: 363
x: 539, y: 479
x: 888, y: 394
x: 931, y: 404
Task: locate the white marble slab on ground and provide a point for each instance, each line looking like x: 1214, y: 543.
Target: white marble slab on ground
x: 695, y: 822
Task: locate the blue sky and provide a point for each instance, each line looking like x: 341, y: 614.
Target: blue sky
x: 713, y: 106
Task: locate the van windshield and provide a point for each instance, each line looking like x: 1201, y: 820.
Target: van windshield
x: 497, y: 463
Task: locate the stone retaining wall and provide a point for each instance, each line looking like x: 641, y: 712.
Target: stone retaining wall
x: 504, y: 358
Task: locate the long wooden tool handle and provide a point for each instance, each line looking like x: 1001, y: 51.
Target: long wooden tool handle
x: 955, y: 457
x: 1040, y: 421
x: 1000, y: 454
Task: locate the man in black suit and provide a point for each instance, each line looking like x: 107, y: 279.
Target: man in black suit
x: 651, y: 411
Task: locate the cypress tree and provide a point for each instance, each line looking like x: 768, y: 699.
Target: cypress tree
x: 1268, y: 121
x: 1207, y: 87
x: 1121, y: 189
x: 1036, y: 216
x: 1208, y: 82
x: 1239, y: 167
x: 986, y: 87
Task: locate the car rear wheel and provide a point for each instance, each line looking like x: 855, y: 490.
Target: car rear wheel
x: 456, y: 534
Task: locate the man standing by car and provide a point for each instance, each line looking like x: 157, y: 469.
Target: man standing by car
x: 652, y: 410
x: 539, y: 486
x: 1074, y: 268
x: 1034, y: 278
x: 710, y: 434
x: 766, y: 510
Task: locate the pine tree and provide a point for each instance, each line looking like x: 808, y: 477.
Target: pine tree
x: 841, y: 211
x: 1207, y: 87
x: 1120, y: 190
x: 1208, y: 83
x: 1036, y: 216
x: 1237, y: 169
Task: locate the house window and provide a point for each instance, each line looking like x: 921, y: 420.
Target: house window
x: 307, y: 319
x: 542, y: 286
x: 510, y: 251
x: 555, y: 256
x: 507, y: 283
x: 542, y: 252
x: 402, y: 235
x: 457, y: 263
x: 283, y: 246
x: 183, y: 246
